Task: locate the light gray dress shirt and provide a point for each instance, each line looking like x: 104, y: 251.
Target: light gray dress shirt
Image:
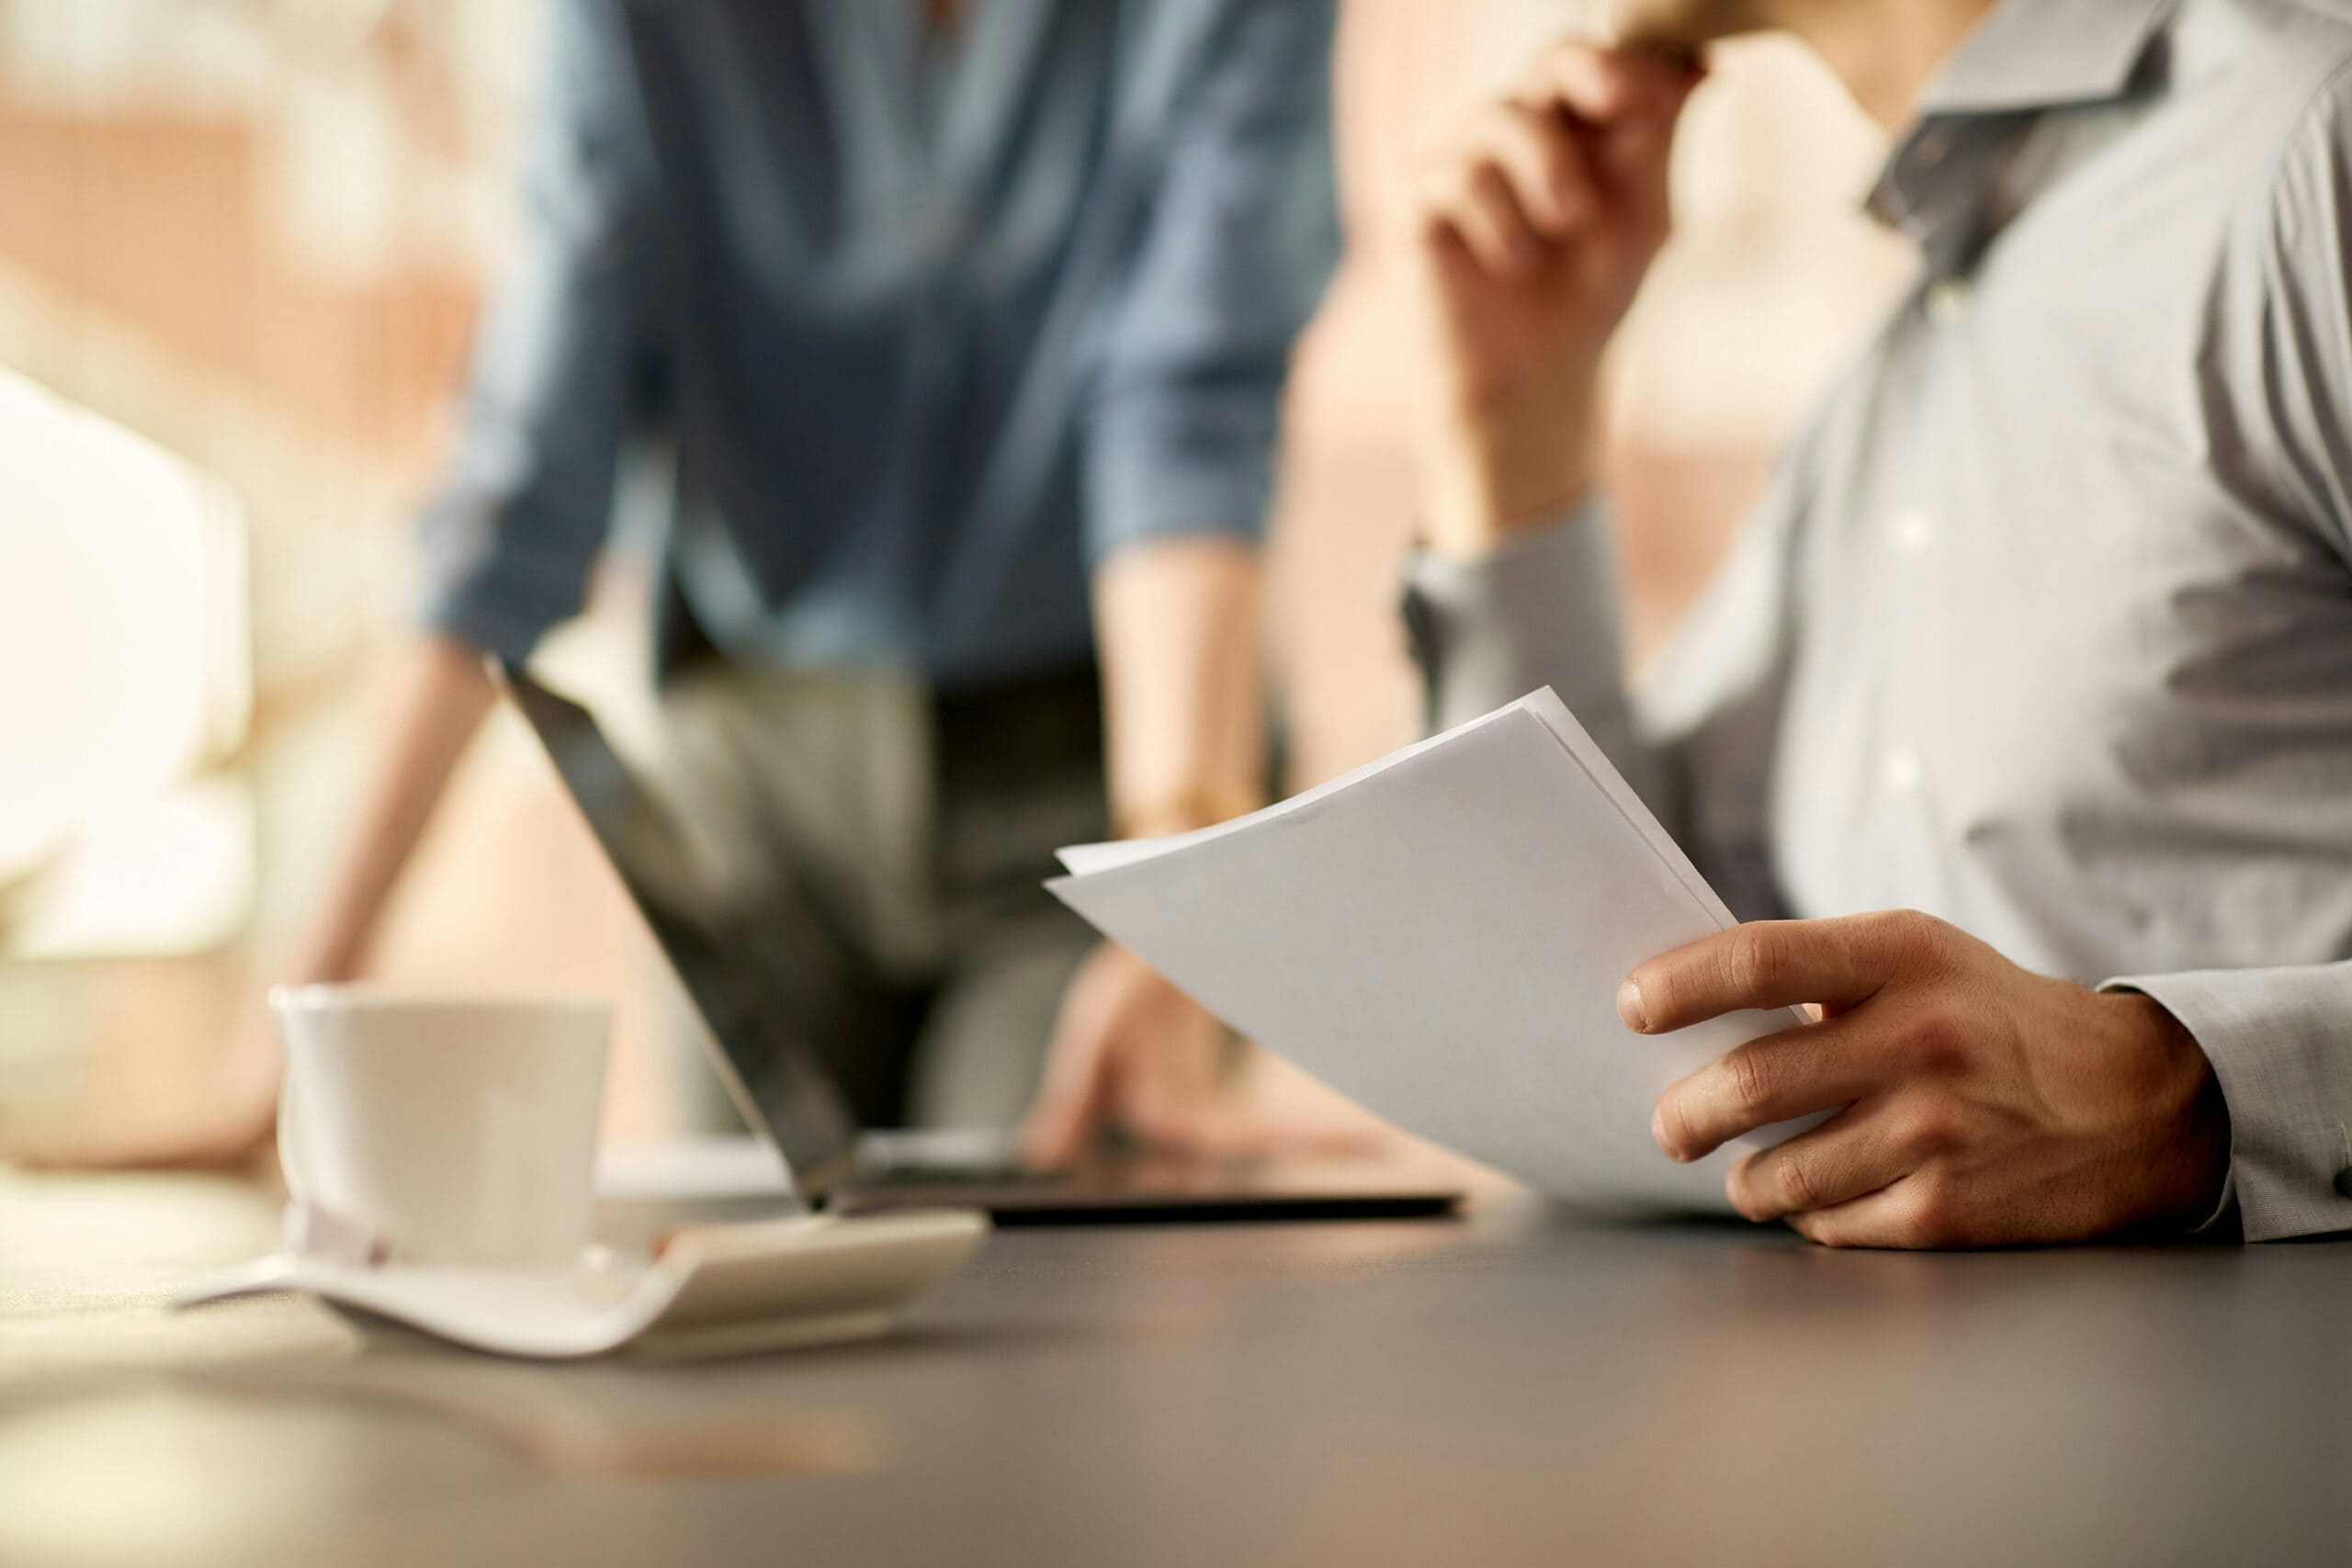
x: 2045, y: 625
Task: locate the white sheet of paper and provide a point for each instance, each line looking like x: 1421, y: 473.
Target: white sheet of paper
x: 1440, y: 936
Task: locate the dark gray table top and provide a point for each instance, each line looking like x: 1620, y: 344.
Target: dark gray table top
x: 1517, y: 1387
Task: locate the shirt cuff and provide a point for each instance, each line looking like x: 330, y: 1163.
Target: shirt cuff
x: 2281, y: 1041
x: 1540, y: 611
x: 481, y: 588
x: 1163, y: 466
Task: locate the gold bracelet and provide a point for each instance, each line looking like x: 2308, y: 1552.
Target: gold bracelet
x: 1181, y: 811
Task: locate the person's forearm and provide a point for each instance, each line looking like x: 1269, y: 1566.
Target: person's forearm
x: 440, y: 694
x: 1496, y: 468
x: 1178, y: 634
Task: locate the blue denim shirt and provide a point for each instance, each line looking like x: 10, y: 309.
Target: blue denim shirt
x: 936, y: 323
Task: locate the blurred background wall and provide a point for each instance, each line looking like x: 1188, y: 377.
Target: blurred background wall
x: 241, y: 246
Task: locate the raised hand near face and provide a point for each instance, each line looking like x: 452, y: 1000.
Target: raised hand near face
x: 1528, y: 240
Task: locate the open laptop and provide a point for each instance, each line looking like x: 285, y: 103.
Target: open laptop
x: 781, y: 1086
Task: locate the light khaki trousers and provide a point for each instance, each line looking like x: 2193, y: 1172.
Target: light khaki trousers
x: 891, y: 841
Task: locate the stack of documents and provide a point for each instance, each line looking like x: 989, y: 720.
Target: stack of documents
x: 1440, y: 936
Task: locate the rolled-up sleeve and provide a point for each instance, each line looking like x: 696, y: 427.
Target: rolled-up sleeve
x: 507, y: 548
x: 1241, y: 237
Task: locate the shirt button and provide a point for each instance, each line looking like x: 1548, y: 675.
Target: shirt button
x: 1912, y: 532
x: 1903, y: 771
x: 1948, y: 299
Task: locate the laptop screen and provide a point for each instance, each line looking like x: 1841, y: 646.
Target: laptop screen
x: 720, y: 958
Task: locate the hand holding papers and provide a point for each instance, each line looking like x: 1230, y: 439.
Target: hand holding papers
x: 1440, y: 936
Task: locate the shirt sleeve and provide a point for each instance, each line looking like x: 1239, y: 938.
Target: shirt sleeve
x: 1698, y: 742
x: 1542, y: 611
x: 2290, y: 288
x: 507, y: 548
x: 2281, y: 1041
x: 1241, y: 237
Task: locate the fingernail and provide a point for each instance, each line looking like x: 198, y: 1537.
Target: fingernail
x: 1630, y: 1008
x: 1657, y: 1133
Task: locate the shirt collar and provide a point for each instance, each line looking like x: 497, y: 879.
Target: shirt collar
x: 2037, y: 54
x: 2025, y: 57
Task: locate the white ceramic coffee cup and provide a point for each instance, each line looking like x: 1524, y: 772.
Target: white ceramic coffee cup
x: 440, y: 1131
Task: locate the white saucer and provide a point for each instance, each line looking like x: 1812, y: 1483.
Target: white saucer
x: 716, y: 1289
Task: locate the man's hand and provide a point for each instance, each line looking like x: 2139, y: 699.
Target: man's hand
x: 1983, y: 1105
x: 1129, y: 1050
x: 1529, y: 241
